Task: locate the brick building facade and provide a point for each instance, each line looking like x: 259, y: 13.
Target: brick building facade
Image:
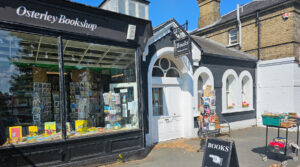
x: 279, y: 37
x: 268, y: 30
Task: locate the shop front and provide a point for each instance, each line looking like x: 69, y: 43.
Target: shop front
x: 70, y: 83
x: 195, y: 85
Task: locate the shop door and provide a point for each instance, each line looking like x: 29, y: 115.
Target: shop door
x: 167, y: 122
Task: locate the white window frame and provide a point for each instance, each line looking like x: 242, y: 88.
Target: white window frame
x: 125, y: 7
x: 230, y: 36
x: 138, y: 10
x: 166, y: 70
x: 234, y: 89
x: 208, y: 80
x: 135, y: 8
x: 248, y: 90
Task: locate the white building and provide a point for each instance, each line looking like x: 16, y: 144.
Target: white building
x: 135, y: 8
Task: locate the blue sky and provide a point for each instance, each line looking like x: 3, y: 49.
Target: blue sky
x: 182, y: 10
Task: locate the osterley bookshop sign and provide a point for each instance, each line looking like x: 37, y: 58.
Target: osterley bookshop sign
x: 63, y: 17
x: 22, y: 11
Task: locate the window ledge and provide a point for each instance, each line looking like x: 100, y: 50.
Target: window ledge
x: 231, y: 45
x: 233, y: 110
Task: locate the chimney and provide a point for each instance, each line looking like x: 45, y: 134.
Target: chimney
x: 209, y: 12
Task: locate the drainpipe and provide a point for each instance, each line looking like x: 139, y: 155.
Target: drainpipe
x: 240, y: 24
x: 258, y: 35
x: 257, y: 67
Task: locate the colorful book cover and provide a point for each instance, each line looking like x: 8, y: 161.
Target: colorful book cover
x: 80, y: 125
x: 50, y: 128
x: 15, y: 133
x: 68, y: 126
x: 33, y: 130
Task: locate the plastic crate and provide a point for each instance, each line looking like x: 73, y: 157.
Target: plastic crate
x: 271, y: 120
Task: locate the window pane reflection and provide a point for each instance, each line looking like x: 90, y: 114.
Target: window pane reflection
x: 101, y: 88
x: 29, y: 96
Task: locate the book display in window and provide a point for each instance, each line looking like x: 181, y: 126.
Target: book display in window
x: 80, y: 93
x: 56, y: 105
x: 112, y: 109
x: 207, y: 108
x: 42, y: 103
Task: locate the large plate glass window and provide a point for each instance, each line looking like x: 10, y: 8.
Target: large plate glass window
x: 101, y: 88
x: 29, y: 88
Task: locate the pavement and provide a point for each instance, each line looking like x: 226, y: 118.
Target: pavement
x: 249, y: 142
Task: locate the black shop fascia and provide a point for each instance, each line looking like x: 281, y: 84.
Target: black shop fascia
x: 70, y: 84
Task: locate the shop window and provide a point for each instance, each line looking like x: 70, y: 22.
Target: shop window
x: 230, y: 97
x: 102, y: 89
x: 29, y: 88
x: 164, y: 67
x: 204, y: 87
x: 230, y: 91
x: 132, y: 9
x: 233, y: 37
x: 246, y: 89
x: 157, y: 101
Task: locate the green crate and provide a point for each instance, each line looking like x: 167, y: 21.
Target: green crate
x: 271, y: 120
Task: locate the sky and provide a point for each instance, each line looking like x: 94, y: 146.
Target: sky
x: 181, y: 10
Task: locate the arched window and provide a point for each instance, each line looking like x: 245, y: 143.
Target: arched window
x: 230, y: 91
x: 246, y: 90
x: 164, y: 67
x: 203, y: 77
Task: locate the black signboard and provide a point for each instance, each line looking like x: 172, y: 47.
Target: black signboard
x: 220, y: 153
x: 182, y: 47
x: 72, y: 18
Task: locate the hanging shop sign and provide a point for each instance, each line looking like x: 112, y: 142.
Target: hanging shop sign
x: 220, y: 153
x: 182, y: 47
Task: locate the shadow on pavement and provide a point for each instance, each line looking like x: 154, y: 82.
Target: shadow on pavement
x: 271, y: 155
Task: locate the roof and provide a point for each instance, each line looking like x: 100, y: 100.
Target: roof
x: 159, y: 27
x: 246, y: 9
x: 211, y: 47
x: 142, y: 1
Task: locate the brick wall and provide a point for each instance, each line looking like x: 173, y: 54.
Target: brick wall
x: 297, y: 31
x: 209, y: 12
x: 278, y: 36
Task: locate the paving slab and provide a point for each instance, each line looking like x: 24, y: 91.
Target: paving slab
x: 250, y: 144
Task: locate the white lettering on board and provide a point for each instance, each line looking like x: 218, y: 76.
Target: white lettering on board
x: 62, y: 19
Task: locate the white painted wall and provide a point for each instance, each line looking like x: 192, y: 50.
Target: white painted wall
x: 278, y: 87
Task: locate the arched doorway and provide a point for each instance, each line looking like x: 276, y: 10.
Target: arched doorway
x: 166, y: 96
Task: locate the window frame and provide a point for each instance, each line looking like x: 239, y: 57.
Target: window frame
x: 230, y: 36
x: 135, y: 8
x: 246, y: 74
x: 161, y: 103
x: 230, y: 77
x: 139, y: 12
x: 65, y: 36
x: 165, y: 71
